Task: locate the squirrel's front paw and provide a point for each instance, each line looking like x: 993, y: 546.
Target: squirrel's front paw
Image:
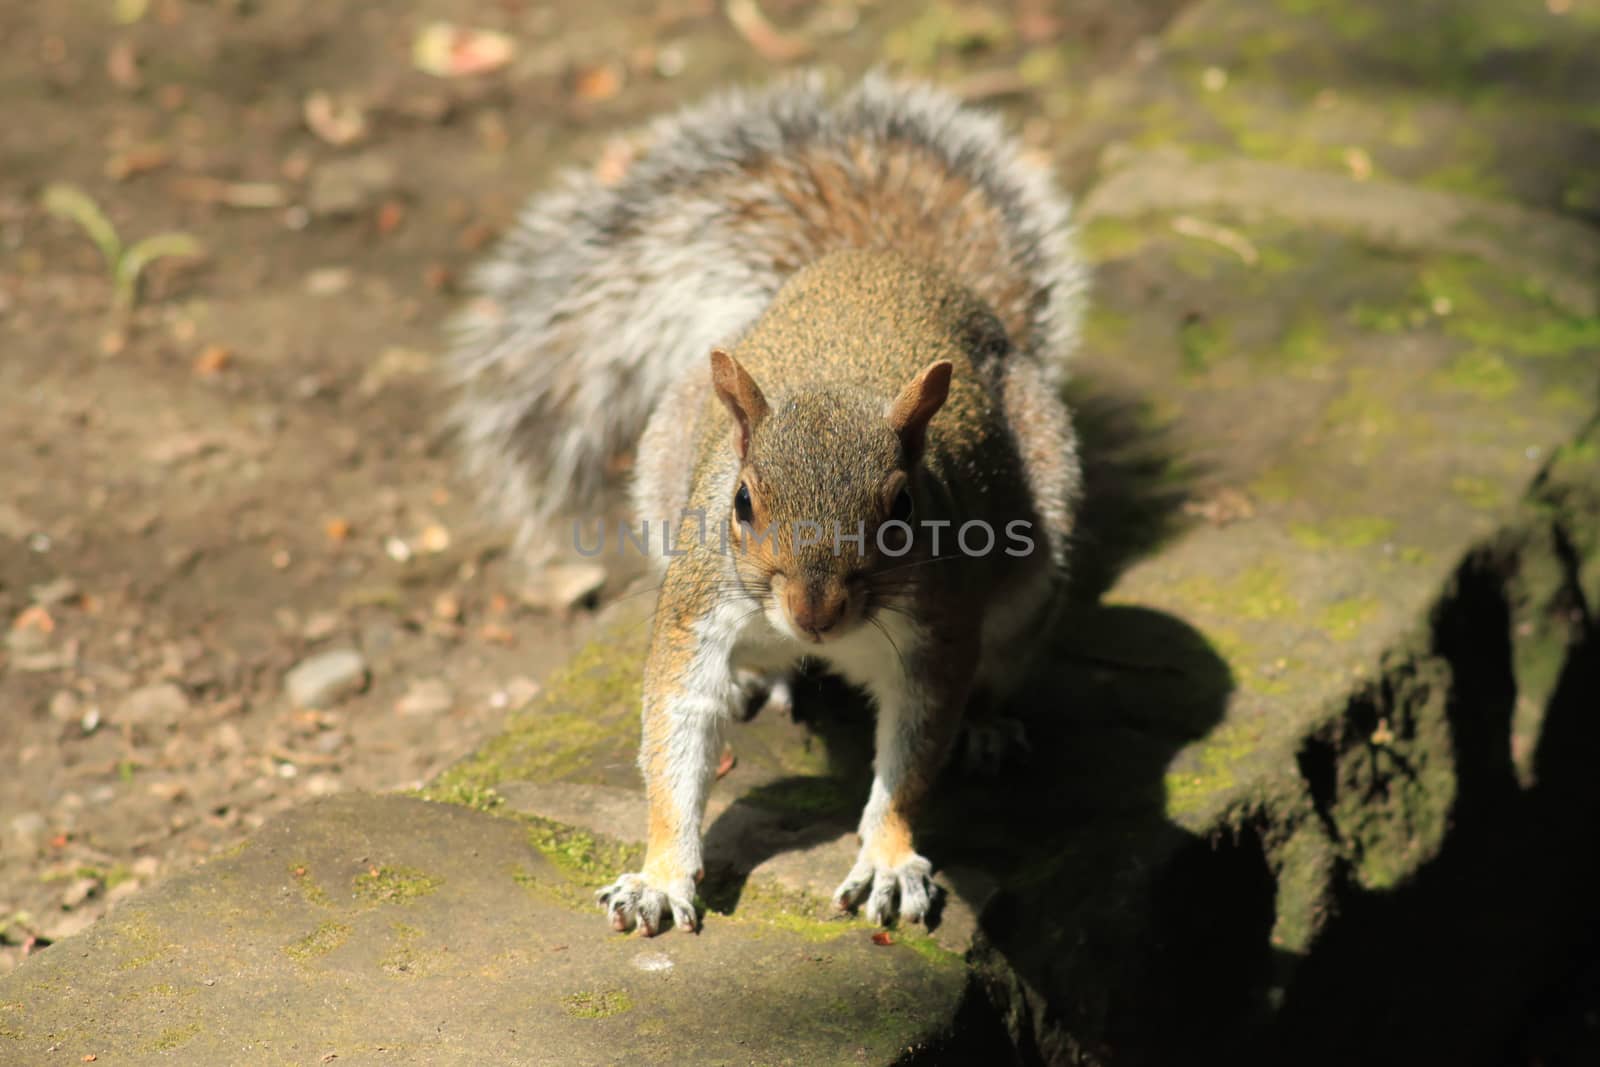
x: 905, y: 889
x: 633, y: 901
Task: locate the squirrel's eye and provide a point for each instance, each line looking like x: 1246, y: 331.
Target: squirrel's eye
x: 901, y: 509
x: 741, y: 506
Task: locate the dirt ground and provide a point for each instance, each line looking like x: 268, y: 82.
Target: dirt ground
x: 247, y: 471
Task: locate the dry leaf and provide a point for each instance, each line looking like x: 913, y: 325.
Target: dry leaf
x: 390, y: 216
x: 211, y: 360
x: 882, y: 937
x: 34, y: 617
x: 136, y: 161
x: 338, y: 122
x: 595, y: 84
x: 497, y: 635
x: 122, y: 66
x: 446, y: 50
x: 231, y: 194
x: 769, y: 42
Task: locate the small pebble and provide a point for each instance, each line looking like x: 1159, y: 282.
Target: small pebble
x: 66, y: 707
x: 159, y: 704
x: 429, y: 696
x: 563, y: 586
x: 327, y: 678
x: 52, y: 593
x: 330, y: 741
x: 349, y: 186
x: 80, y: 890
x: 26, y: 832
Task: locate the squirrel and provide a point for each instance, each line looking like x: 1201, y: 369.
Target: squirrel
x: 834, y: 328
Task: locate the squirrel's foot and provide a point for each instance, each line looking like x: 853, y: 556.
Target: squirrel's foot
x: 763, y: 693
x: 904, y: 890
x: 633, y: 901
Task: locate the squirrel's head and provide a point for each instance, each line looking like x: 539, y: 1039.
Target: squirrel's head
x: 821, y: 473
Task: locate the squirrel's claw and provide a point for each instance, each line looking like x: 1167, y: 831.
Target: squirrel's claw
x: 631, y: 901
x: 905, y: 891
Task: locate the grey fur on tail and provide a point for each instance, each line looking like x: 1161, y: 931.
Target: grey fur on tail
x: 603, y: 295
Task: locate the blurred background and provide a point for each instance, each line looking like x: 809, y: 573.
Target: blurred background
x: 216, y: 465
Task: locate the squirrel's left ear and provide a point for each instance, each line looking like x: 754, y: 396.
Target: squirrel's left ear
x: 742, y: 397
x: 917, y: 404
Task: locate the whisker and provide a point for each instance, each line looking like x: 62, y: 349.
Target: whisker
x: 884, y: 630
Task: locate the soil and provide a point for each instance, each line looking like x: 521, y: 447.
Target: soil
x: 246, y: 471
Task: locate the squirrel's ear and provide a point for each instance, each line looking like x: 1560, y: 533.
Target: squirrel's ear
x: 918, y: 403
x: 739, y: 392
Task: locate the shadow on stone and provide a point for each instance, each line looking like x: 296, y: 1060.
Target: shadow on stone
x: 1474, y: 959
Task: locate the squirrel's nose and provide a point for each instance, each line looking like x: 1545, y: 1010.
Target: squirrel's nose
x: 814, y: 610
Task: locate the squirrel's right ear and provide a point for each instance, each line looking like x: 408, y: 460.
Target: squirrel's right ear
x: 739, y: 392
x: 917, y: 403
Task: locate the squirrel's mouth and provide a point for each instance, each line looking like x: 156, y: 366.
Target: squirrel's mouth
x: 813, y: 612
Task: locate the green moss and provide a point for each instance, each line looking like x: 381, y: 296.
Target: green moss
x: 1584, y: 451
x: 806, y: 796
x: 1261, y: 593
x: 466, y: 794
x: 583, y: 857
x: 1355, y: 531
x: 319, y: 942
x: 1497, y: 311
x: 403, y: 958
x: 1352, y: 22
x: 1257, y: 593
x: 924, y: 945
x: 1104, y: 329
x: 1202, y: 342
x: 232, y: 851
x: 385, y: 884
x: 300, y: 872
x: 172, y: 1037
x: 1205, y: 772
x: 772, y: 908
x: 1107, y: 238
x: 1386, y: 319
x: 588, y: 709
x: 601, y: 1005
x: 144, y: 946
x: 1478, y: 492
x: 1564, y: 398
x: 1042, y: 67
x: 1275, y: 485
x: 1305, y: 343
x: 1468, y: 177
x: 1540, y: 334
x: 1343, y: 619
x: 159, y: 991
x: 1480, y: 373
x: 1582, y: 194
x: 946, y: 30
x: 1365, y: 416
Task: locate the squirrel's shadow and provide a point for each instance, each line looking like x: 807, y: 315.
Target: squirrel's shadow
x: 1062, y: 839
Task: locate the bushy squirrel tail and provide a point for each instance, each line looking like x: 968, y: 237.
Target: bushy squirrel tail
x: 607, y: 291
